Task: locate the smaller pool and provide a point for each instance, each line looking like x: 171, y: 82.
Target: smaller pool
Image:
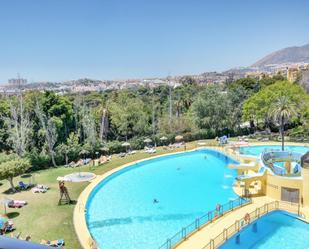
x: 278, y: 229
x: 256, y: 150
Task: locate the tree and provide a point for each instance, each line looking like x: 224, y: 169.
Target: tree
x: 282, y: 111
x: 237, y: 96
x: 129, y: 116
x: 50, y: 132
x: 12, y: 166
x: 19, y: 125
x: 211, y: 109
x: 257, y: 107
x: 249, y: 84
x: 71, y: 148
x: 88, y: 126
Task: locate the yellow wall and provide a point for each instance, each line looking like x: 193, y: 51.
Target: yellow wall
x: 275, y: 183
x: 305, y: 175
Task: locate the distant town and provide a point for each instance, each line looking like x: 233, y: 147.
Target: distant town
x: 292, y: 71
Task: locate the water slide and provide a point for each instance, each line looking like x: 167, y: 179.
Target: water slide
x: 252, y: 177
x: 245, y: 166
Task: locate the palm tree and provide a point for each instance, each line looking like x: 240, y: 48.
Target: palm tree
x: 282, y: 111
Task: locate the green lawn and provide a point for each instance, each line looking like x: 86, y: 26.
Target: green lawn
x: 42, y: 218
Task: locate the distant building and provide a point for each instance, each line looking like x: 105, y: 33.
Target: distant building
x: 304, y: 80
x: 292, y: 74
x: 18, y: 81
x: 256, y: 75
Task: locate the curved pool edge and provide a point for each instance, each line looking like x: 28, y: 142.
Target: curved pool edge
x: 79, y: 218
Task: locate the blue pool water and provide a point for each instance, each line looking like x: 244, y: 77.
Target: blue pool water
x: 277, y: 229
x: 121, y: 212
x: 256, y: 150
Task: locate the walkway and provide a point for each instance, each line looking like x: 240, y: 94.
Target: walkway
x: 202, y: 237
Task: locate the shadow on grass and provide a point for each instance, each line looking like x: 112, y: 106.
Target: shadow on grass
x: 9, y: 191
x: 12, y: 215
x: 26, y: 176
x: 64, y: 202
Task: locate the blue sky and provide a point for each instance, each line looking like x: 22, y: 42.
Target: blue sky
x: 112, y: 39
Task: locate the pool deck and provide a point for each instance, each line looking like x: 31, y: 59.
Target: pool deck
x: 198, y: 239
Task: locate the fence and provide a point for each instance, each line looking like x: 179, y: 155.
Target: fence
x: 240, y: 224
x: 187, y: 231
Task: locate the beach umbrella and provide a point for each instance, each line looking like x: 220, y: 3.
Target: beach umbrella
x: 63, y: 179
x: 163, y: 139
x: 84, y: 152
x: 5, y: 201
x: 179, y: 138
x: 104, y: 149
x: 125, y: 144
x: 147, y: 141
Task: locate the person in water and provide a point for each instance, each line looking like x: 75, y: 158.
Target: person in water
x: 155, y: 201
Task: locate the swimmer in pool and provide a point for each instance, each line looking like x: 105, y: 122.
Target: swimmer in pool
x: 155, y: 201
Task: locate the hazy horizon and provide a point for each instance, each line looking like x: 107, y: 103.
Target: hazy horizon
x: 106, y: 40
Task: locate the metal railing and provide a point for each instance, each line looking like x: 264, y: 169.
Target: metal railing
x: 248, y: 219
x: 207, y: 218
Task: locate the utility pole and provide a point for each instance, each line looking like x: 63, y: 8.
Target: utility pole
x: 153, y: 113
x: 170, y: 103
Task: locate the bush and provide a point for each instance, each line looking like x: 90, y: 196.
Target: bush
x: 137, y: 143
x: 39, y: 160
x: 115, y: 147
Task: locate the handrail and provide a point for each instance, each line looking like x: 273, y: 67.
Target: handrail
x: 248, y: 219
x: 207, y: 218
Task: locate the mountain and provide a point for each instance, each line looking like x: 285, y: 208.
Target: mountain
x: 286, y: 55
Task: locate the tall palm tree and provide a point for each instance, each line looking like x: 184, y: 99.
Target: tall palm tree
x: 282, y: 110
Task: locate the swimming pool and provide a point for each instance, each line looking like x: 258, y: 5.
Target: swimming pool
x: 121, y: 212
x: 256, y: 150
x: 277, y: 229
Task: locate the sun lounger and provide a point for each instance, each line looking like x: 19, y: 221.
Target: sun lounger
x: 16, y: 204
x: 23, y: 186
x: 151, y: 150
x: 102, y: 159
x: 53, y: 243
x: 39, y: 190
x: 41, y: 186
x: 122, y: 154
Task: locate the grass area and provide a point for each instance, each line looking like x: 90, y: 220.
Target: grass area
x: 42, y: 218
